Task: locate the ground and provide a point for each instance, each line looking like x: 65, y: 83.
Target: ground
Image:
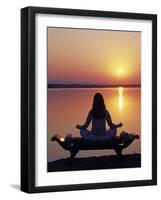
x: 102, y: 162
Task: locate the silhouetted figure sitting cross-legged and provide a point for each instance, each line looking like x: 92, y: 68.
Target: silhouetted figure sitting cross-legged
x: 99, y: 116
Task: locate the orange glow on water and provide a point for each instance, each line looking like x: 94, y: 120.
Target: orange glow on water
x: 69, y: 107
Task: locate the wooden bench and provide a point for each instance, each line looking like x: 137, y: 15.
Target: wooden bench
x: 77, y: 143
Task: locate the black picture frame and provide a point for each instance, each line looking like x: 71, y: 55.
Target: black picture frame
x: 28, y: 98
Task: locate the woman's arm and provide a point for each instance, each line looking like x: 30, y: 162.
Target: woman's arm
x: 110, y: 123
x: 87, y: 122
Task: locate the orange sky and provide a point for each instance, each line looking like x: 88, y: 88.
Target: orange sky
x: 94, y: 56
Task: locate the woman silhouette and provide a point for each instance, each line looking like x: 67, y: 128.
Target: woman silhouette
x: 98, y: 115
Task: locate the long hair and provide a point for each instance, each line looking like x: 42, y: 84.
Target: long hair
x: 98, y: 108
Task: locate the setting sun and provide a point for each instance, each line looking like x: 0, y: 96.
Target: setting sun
x: 120, y: 71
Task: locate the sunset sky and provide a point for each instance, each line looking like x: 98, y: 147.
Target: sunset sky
x: 94, y: 56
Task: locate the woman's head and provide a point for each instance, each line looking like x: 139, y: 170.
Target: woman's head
x: 98, y: 108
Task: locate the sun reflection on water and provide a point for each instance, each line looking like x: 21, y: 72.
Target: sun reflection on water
x: 120, y: 98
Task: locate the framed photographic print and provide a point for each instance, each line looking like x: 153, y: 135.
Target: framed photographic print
x: 88, y: 99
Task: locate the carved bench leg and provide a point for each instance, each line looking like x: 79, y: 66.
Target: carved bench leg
x: 118, y: 151
x: 73, y: 153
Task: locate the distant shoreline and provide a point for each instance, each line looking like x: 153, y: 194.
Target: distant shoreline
x: 91, y: 86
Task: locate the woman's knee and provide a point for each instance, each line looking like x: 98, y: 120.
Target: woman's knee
x: 83, y: 132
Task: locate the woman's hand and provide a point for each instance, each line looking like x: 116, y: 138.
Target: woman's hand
x: 120, y: 124
x: 78, y: 126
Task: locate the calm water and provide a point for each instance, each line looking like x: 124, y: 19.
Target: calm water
x: 69, y: 107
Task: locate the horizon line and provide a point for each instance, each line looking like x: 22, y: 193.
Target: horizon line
x: 53, y: 85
